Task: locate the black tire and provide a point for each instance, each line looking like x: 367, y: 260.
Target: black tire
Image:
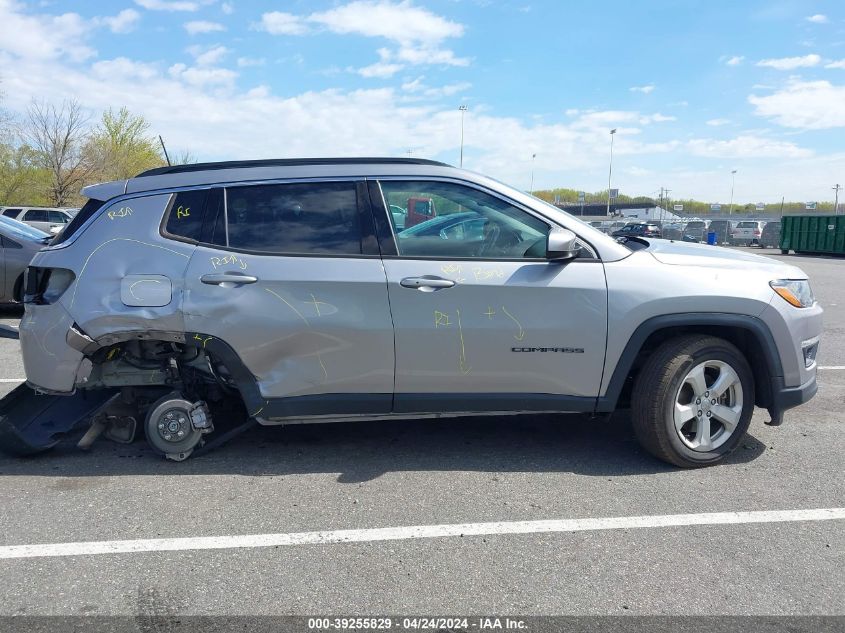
x: 784, y: 251
x: 656, y: 389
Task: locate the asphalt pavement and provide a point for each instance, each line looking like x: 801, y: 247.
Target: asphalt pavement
x: 420, y: 473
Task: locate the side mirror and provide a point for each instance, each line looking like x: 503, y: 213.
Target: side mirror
x: 561, y: 244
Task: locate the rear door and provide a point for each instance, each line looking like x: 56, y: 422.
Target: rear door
x: 288, y: 277
x: 483, y: 322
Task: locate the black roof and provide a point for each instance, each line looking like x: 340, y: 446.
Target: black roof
x: 286, y: 162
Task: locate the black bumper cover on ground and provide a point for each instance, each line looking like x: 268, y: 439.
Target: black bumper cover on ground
x: 31, y: 423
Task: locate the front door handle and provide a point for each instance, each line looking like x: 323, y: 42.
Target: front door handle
x: 426, y: 283
x: 227, y: 280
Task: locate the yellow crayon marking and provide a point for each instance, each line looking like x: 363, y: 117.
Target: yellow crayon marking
x: 197, y: 337
x: 462, y: 361
x: 183, y: 212
x: 451, y: 269
x: 287, y: 303
x: 441, y: 318
x: 317, y: 304
x: 486, y: 273
x: 323, y: 367
x: 141, y: 281
x: 122, y: 212
x: 521, y: 334
x: 252, y: 415
x: 490, y: 312
x: 111, y: 353
x: 228, y: 260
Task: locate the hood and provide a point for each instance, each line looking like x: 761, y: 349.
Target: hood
x: 691, y: 254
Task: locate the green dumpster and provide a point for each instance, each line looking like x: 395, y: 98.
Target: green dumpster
x: 813, y: 234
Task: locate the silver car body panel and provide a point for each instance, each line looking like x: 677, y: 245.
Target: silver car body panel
x: 308, y: 326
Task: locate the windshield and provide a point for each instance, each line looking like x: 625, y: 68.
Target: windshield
x: 13, y: 228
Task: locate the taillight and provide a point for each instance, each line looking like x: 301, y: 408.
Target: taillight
x: 756, y: 231
x: 46, y: 285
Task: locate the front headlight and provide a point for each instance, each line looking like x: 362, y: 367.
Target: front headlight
x: 795, y: 291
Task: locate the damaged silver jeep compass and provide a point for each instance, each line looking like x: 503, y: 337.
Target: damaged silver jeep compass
x: 294, y: 291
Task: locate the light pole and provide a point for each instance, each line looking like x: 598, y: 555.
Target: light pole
x: 531, y: 191
x: 733, y: 177
x: 610, y: 169
x: 463, y: 110
x: 836, y: 203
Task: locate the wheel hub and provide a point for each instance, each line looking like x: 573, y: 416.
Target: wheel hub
x: 708, y: 405
x: 174, y: 425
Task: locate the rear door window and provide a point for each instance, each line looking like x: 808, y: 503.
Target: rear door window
x: 56, y: 217
x: 11, y: 213
x: 292, y: 219
x: 36, y: 215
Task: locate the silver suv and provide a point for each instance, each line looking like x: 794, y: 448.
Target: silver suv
x: 286, y: 285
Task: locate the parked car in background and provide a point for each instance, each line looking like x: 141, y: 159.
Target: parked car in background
x: 723, y: 230
x: 770, y: 235
x: 638, y: 229
x: 696, y: 230
x: 673, y: 231
x: 748, y: 232
x: 48, y: 219
x: 18, y: 243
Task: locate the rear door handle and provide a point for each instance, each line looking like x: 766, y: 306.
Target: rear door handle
x: 426, y: 283
x: 227, y: 279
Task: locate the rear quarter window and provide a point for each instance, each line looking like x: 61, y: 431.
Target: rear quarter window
x: 185, y: 216
x: 87, y: 211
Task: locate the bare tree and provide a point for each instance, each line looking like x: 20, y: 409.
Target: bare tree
x: 58, y: 135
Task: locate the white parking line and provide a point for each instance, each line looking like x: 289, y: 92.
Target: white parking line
x: 831, y: 367
x: 12, y: 379
x: 413, y: 532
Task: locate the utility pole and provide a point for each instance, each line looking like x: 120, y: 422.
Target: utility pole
x: 610, y: 169
x: 463, y: 110
x: 665, y: 208
x: 733, y: 177
x: 836, y: 203
x: 531, y: 191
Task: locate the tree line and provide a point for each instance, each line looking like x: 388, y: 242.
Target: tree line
x: 691, y: 207
x: 51, y: 151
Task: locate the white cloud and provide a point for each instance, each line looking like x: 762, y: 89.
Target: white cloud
x: 813, y: 105
x: 227, y: 8
x: 43, y: 36
x: 644, y: 89
x: 169, y: 5
x: 417, y: 32
x: 208, y: 56
x: 818, y: 18
x: 202, y: 76
x: 397, y: 21
x: 746, y: 146
x: 245, y: 62
x: 791, y: 63
x: 380, y: 70
x: 718, y: 122
x: 837, y: 64
x: 281, y: 23
x: 203, y: 26
x: 736, y: 60
x: 123, y: 22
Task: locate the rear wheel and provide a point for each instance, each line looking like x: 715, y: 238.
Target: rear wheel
x: 692, y: 401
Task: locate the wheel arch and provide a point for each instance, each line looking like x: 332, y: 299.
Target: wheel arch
x: 748, y: 333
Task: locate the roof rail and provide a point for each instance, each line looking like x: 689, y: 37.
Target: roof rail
x: 286, y: 162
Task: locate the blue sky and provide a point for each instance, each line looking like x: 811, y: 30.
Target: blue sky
x: 695, y: 89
